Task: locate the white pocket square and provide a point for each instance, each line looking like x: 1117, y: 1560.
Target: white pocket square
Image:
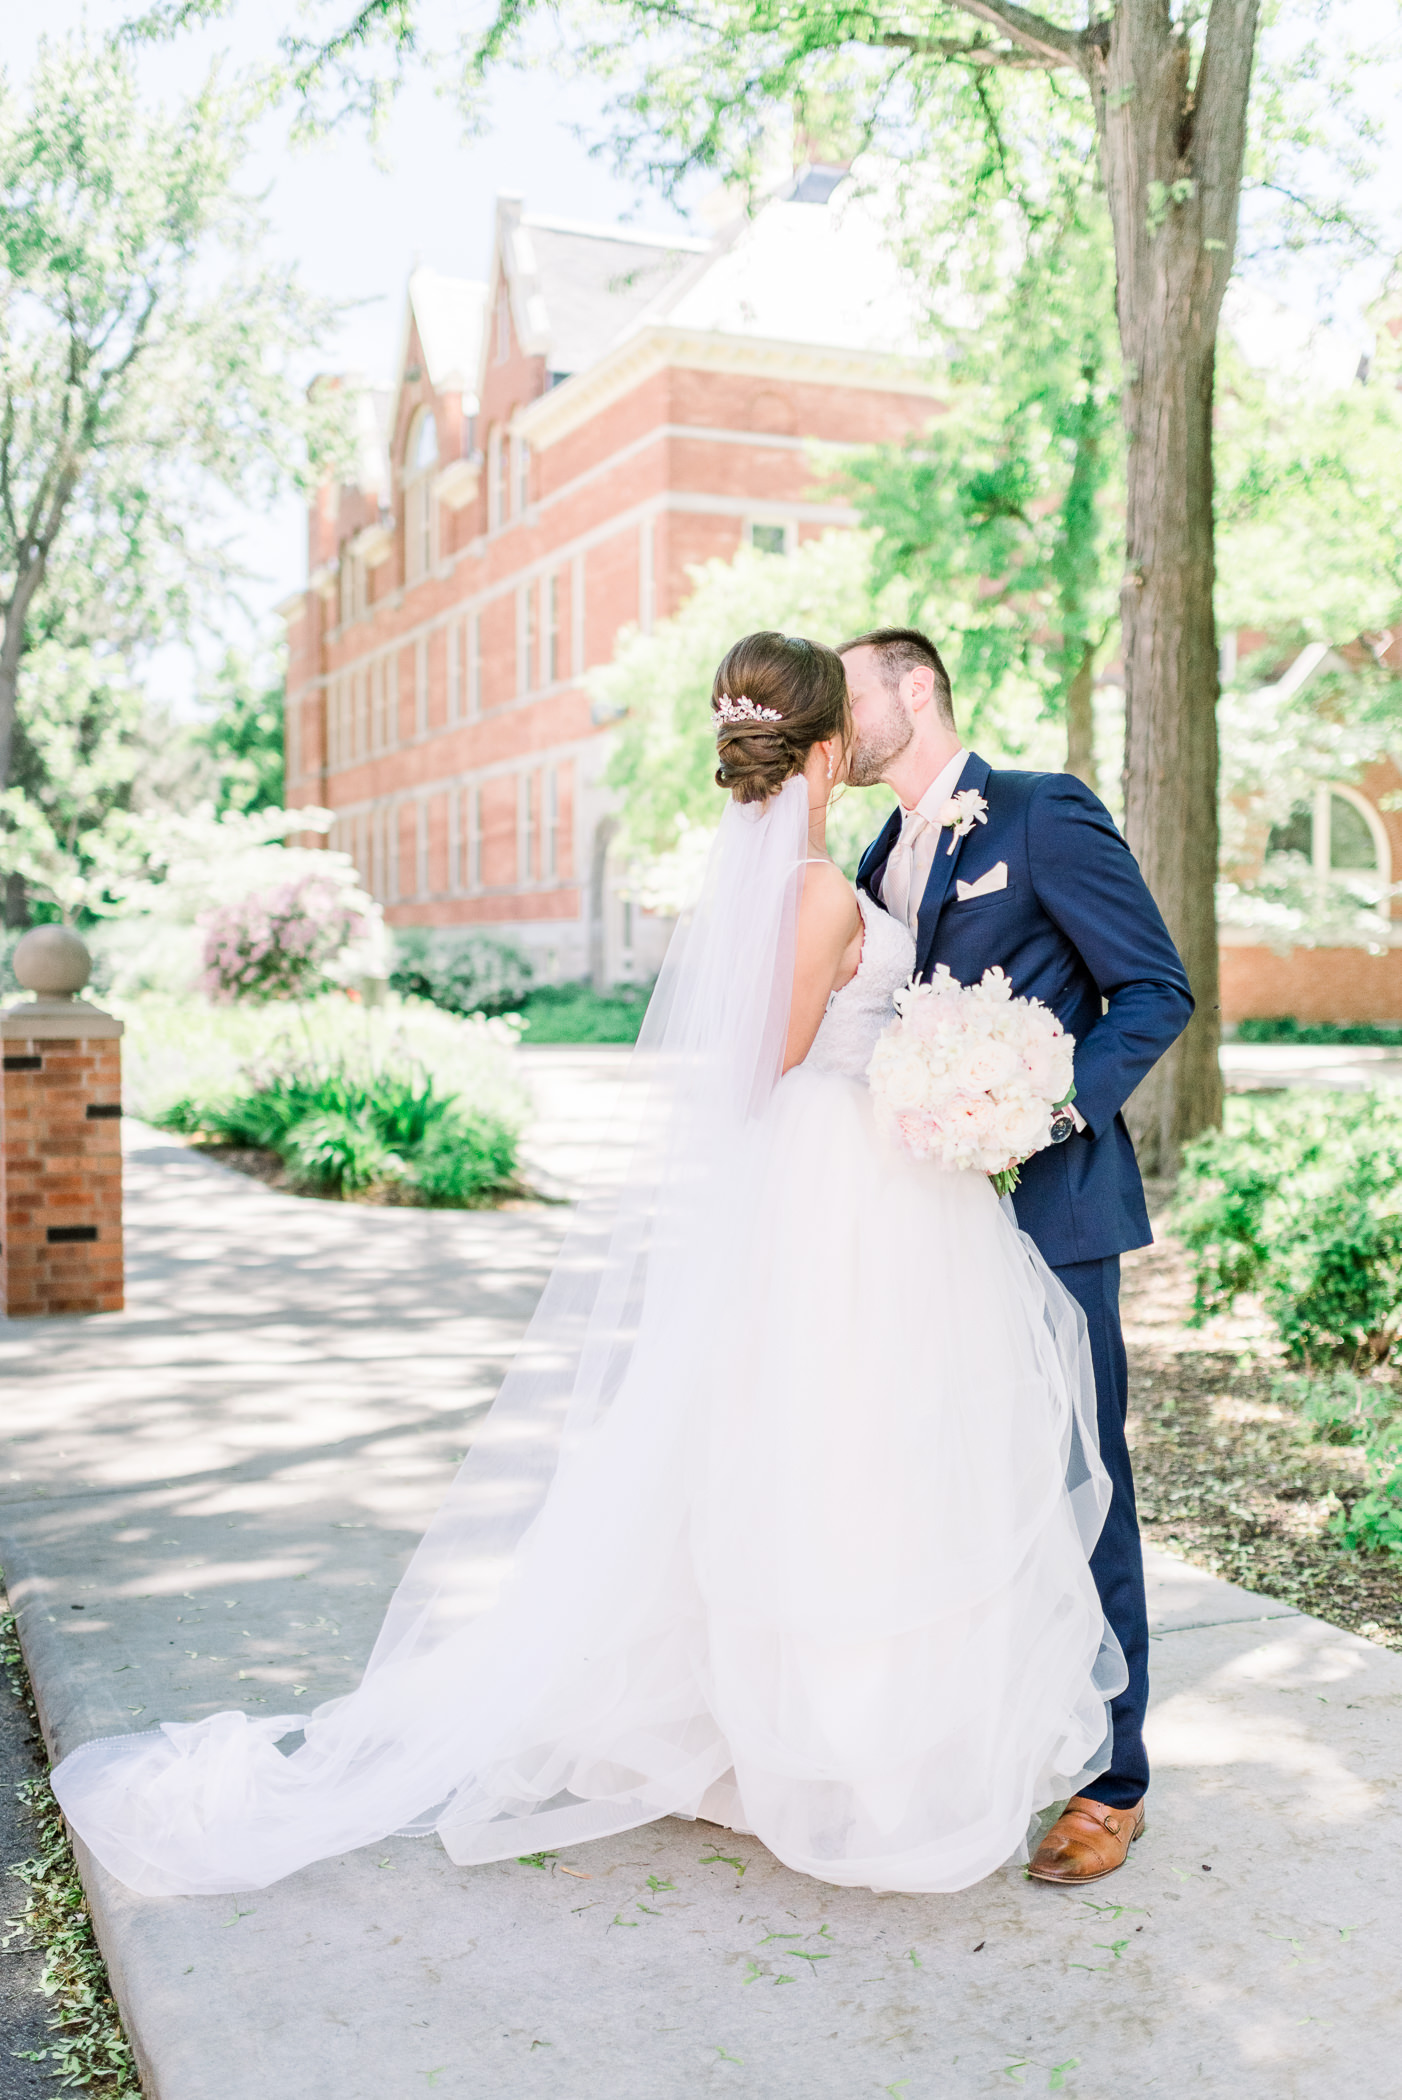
x: 995, y: 879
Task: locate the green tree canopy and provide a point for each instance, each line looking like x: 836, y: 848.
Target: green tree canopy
x: 148, y: 357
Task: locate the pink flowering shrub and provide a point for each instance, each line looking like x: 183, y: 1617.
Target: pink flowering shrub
x: 278, y: 944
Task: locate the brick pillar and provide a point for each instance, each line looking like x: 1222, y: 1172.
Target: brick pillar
x: 60, y: 1157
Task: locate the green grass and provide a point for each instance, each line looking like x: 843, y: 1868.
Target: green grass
x: 89, y: 2049
x: 576, y: 1013
x: 1284, y: 1029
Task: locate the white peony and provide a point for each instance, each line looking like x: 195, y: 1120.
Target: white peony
x: 967, y: 1075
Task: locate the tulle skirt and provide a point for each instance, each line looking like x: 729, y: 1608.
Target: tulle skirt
x: 819, y: 1572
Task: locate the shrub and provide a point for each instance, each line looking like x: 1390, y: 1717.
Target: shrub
x: 1344, y: 1409
x: 1285, y: 1029
x: 1301, y: 1198
x: 186, y: 1051
x: 279, y: 944
x: 576, y: 1013
x: 339, y: 1130
x: 463, y: 973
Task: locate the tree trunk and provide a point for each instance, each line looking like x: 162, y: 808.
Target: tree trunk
x: 1080, y: 719
x: 16, y: 901
x: 1171, y: 152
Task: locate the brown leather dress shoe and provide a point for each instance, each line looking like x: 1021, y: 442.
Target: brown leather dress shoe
x: 1086, y: 1841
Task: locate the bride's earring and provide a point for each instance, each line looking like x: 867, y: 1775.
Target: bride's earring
x: 831, y: 765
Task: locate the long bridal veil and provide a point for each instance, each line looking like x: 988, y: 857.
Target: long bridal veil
x: 516, y: 1695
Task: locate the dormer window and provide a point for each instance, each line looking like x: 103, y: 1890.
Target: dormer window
x: 420, y: 463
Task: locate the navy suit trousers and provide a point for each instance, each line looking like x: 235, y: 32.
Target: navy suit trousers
x: 1117, y: 1563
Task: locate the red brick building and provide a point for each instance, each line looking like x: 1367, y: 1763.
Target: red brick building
x: 1350, y: 834
x: 559, y: 445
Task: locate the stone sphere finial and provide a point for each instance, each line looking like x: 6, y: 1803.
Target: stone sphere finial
x: 52, y: 961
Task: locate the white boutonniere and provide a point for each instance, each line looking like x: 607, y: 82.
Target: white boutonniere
x: 961, y: 813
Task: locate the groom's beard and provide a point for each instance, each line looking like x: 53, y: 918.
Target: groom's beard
x: 879, y: 743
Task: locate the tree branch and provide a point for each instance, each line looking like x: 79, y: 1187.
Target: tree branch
x: 981, y: 55
x: 1050, y: 43
x: 7, y: 492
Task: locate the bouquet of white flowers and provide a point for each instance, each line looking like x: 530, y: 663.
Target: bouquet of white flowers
x: 969, y: 1076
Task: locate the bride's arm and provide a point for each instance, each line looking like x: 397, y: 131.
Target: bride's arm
x: 829, y: 925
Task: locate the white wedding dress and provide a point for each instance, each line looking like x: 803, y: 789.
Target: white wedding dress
x: 783, y: 1520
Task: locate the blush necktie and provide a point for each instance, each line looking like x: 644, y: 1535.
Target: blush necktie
x: 898, y: 881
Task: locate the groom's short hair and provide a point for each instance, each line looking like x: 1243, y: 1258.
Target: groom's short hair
x: 902, y: 649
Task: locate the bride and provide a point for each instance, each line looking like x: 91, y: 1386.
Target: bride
x: 782, y: 1517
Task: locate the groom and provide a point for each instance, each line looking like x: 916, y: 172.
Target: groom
x: 1037, y: 878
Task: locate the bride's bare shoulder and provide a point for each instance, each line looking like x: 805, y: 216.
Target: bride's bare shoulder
x: 829, y: 903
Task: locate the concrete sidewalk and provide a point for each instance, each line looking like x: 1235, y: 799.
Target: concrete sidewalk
x: 205, y: 1501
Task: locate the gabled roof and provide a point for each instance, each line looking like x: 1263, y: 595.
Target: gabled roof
x: 575, y: 288
x: 812, y: 266
x: 449, y: 314
x: 372, y: 407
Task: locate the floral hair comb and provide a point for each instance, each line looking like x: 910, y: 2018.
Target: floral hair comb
x: 743, y: 709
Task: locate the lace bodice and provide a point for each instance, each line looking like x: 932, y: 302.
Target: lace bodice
x: 858, y: 1012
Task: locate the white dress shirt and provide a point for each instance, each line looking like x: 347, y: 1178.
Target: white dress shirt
x: 908, y: 866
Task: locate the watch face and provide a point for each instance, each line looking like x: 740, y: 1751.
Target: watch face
x: 1061, y: 1129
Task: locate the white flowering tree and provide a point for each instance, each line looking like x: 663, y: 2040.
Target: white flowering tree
x: 224, y: 905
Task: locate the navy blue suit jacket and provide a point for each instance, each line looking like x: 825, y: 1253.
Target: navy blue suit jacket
x: 1076, y: 928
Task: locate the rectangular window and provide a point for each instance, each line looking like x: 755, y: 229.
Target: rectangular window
x: 419, y: 509
x: 770, y: 539
x: 377, y: 852
x: 647, y: 592
x: 494, y: 480
x: 421, y: 686
x: 577, y: 614
x: 454, y: 841
x: 551, y: 841
x: 392, y: 701
x: 421, y: 847
x: 454, y: 672
x: 473, y: 810
x: 362, y: 714
x: 552, y: 629
x: 392, y: 890
x: 474, y: 666
x: 524, y: 638
x: 338, y: 720
x: 525, y: 828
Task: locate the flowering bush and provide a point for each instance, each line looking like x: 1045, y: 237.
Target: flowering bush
x: 968, y: 1075
x: 285, y: 943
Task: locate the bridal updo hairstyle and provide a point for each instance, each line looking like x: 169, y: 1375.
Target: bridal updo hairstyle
x: 802, y: 683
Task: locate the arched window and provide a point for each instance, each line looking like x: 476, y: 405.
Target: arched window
x: 420, y: 461
x: 1338, y: 832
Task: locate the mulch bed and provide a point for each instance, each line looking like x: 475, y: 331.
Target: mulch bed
x: 1229, y: 1478
x: 267, y: 1167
